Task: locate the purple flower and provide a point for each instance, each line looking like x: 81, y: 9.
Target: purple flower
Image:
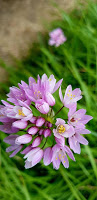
x: 57, y: 37
x: 42, y: 106
x: 63, y: 130
x: 78, y: 118
x: 33, y: 157
x: 70, y: 97
x: 76, y: 139
x: 59, y: 155
x: 17, y: 94
x: 18, y: 112
x: 8, y: 128
x: 14, y: 147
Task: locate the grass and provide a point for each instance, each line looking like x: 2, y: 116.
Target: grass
x: 76, y: 62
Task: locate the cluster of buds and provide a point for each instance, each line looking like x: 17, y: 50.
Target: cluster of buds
x: 19, y: 116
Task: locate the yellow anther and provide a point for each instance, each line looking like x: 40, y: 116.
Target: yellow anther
x: 1, y: 115
x: 69, y: 91
x: 68, y: 95
x: 71, y: 98
x: 50, y: 79
x: 21, y: 113
x: 64, y: 161
x: 37, y: 95
x: 63, y: 156
x: 73, y: 95
x: 76, y: 120
x: 56, y: 158
x: 38, y: 91
x: 61, y: 129
x: 34, y: 92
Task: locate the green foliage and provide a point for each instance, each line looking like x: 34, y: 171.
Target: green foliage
x: 76, y: 62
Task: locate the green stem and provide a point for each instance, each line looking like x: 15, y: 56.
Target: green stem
x: 59, y: 111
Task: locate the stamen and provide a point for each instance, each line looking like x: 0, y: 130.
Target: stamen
x: 21, y: 113
x: 60, y: 129
x: 72, y: 120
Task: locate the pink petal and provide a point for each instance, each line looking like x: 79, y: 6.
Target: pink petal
x: 81, y: 139
x: 57, y: 85
x: 47, y: 156
x: 74, y: 145
x: 60, y: 94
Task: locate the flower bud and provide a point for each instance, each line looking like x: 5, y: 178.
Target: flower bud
x: 42, y: 106
x: 40, y: 121
x: 26, y: 150
x: 20, y: 124
x: 41, y: 131
x: 33, y: 130
x: 24, y: 139
x: 33, y: 120
x: 47, y: 132
x: 36, y: 142
x: 50, y: 99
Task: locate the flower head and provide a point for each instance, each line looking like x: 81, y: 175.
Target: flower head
x: 57, y: 37
x: 36, y: 127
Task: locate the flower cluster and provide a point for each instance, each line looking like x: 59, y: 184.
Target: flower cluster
x: 19, y: 116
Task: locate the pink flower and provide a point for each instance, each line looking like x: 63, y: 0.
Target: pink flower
x: 59, y: 155
x: 14, y: 147
x: 57, y: 37
x: 33, y: 157
x: 76, y: 139
x: 70, y: 97
x: 17, y: 94
x: 42, y: 106
x: 63, y: 130
x: 78, y: 118
x: 18, y: 112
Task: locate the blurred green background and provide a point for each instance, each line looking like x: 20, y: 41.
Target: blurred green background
x: 76, y: 62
